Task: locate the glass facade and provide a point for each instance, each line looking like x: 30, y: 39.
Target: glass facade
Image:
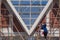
x: 29, y: 10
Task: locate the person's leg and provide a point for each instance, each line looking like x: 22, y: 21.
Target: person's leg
x: 45, y: 35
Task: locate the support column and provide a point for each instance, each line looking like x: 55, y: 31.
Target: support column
x: 59, y: 3
x: 0, y: 21
x: 0, y: 16
x: 0, y: 12
x: 11, y: 26
x: 48, y: 22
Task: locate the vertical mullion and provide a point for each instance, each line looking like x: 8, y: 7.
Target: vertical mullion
x: 40, y: 3
x: 30, y: 13
x: 19, y: 7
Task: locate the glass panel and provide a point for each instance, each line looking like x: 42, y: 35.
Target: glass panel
x: 36, y: 9
x: 28, y: 27
x: 15, y: 2
x: 44, y: 2
x: 26, y: 15
x: 24, y: 9
x: 35, y: 2
x: 32, y: 21
x: 17, y: 8
x: 34, y: 15
x: 25, y: 2
x: 26, y: 21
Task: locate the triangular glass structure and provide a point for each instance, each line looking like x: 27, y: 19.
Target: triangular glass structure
x: 29, y: 10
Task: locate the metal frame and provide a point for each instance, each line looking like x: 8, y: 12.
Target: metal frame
x: 29, y: 32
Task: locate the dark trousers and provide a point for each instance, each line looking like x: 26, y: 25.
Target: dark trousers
x: 45, y: 34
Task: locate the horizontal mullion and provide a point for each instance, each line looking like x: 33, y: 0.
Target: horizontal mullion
x: 20, y: 0
x: 28, y: 6
x: 28, y: 2
x: 29, y: 18
x: 29, y: 25
x: 29, y: 12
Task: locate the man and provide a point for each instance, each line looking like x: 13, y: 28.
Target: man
x: 45, y: 30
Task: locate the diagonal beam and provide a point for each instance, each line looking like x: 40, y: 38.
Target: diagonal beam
x: 18, y: 32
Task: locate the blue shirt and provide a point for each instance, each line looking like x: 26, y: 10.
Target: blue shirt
x: 44, y: 28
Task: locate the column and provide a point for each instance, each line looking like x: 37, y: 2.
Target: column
x: 0, y: 21
x: 59, y: 3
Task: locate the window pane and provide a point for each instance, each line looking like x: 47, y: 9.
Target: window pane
x: 25, y: 2
x: 24, y: 9
x: 25, y: 15
x: 44, y: 2
x: 32, y: 21
x: 17, y: 8
x: 28, y: 27
x: 26, y: 21
x: 35, y: 2
x: 15, y: 2
x: 36, y: 9
x: 35, y: 15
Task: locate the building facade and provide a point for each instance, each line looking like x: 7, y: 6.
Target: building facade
x: 22, y: 19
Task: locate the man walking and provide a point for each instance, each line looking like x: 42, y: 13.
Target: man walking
x: 45, y: 30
